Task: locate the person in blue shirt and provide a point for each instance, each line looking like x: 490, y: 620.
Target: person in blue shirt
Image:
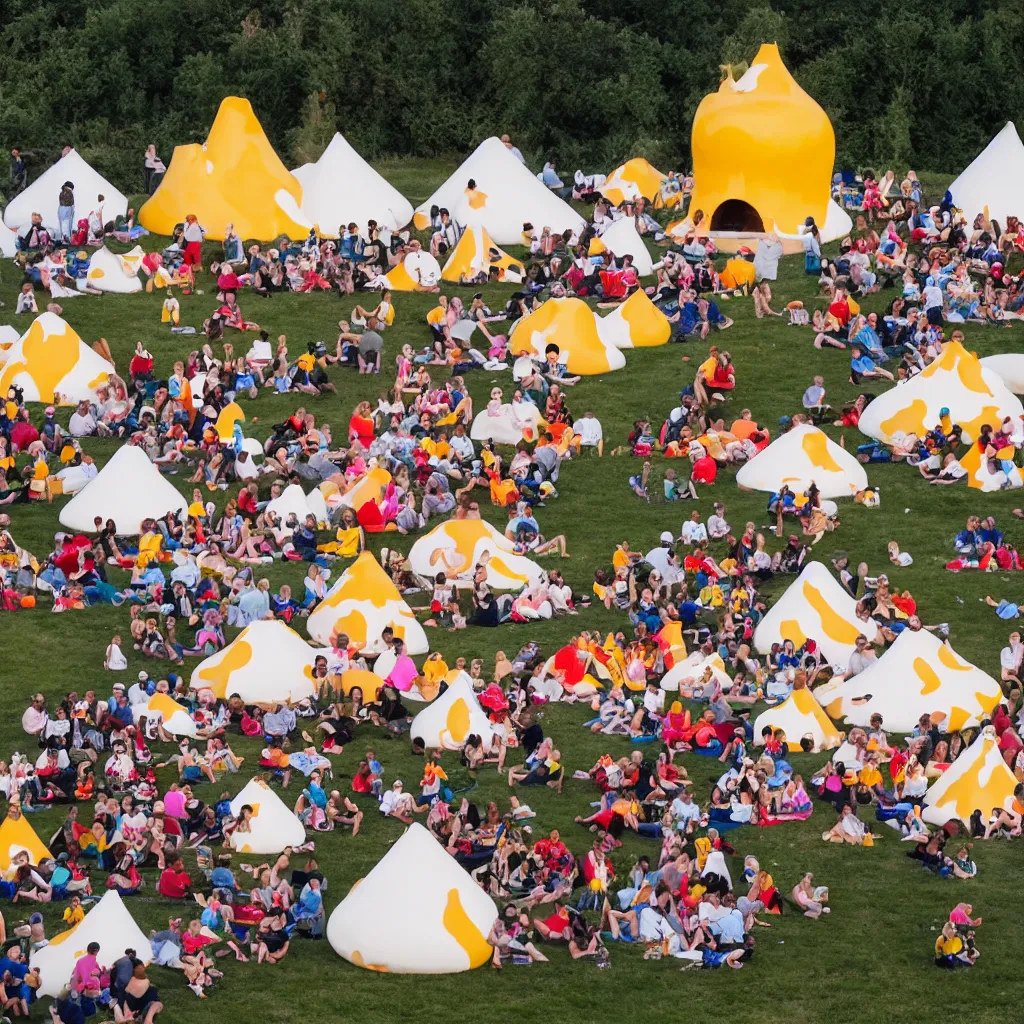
x: 862, y: 367
x: 990, y: 533
x: 969, y: 540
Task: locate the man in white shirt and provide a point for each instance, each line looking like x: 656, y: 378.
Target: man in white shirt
x: 931, y: 297
x: 663, y: 558
x: 137, y: 693
x: 590, y: 432
x: 685, y: 812
x: 718, y: 528
x: 711, y: 911
x: 396, y: 804
x: 654, y: 699
x: 34, y: 720
x: 1010, y: 659
x: 863, y: 657
x: 461, y: 445
x: 82, y: 422
x: 694, y: 531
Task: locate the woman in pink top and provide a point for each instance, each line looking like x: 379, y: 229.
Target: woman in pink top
x: 86, y: 976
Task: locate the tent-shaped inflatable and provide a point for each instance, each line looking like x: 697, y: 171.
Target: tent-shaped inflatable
x: 623, y: 239
x: 634, y: 178
x: 9, y: 336
x: 231, y: 414
x: 918, y: 674
x: 52, y: 363
x: 516, y: 422
x: 477, y: 253
x: 456, y: 546
x: 454, y: 715
x: 42, y: 195
x: 800, y: 457
x: 637, y: 323
x: 361, y: 604
x: 696, y: 668
x: 1009, y: 366
x: 993, y: 183
x: 372, y: 497
x: 128, y: 489
x: 799, y: 715
x: 370, y: 487
x: 570, y: 324
x: 763, y: 155
x: 235, y: 177
x: 514, y: 196
x: 815, y: 607
x: 418, y: 272
x: 974, y: 396
x: 295, y: 500
x: 18, y: 836
x: 163, y: 708
x: 109, y: 923
x: 109, y: 272
x: 8, y: 241
x: 341, y: 188
x: 272, y: 827
x: 978, y: 780
x: 266, y: 663
x: 416, y: 912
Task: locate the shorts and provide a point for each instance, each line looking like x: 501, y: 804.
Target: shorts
x: 192, y: 773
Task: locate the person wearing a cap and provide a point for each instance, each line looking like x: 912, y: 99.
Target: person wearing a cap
x: 664, y: 560
x: 117, y: 690
x: 139, y: 691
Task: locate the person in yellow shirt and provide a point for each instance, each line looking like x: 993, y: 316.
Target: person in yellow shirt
x: 705, y: 374
x: 623, y: 557
x: 73, y: 913
x: 950, y: 952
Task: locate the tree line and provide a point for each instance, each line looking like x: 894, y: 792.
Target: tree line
x: 587, y: 83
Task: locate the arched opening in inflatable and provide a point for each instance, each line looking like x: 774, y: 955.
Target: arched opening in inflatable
x: 736, y: 215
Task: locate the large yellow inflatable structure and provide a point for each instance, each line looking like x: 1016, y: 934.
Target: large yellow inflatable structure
x: 763, y: 152
x: 571, y: 325
x: 235, y: 177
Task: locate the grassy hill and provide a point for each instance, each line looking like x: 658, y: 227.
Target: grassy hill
x: 859, y: 965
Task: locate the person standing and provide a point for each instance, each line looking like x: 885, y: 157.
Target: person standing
x: 66, y: 210
x: 193, y: 238
x: 153, y: 169
x: 19, y: 174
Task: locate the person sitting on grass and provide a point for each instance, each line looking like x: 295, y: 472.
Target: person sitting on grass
x: 542, y: 768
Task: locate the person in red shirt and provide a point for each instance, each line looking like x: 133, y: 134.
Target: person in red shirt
x: 553, y: 850
x: 22, y: 433
x: 175, y: 882
x: 840, y: 307
x: 1010, y: 746
x: 363, y: 780
x: 247, y: 503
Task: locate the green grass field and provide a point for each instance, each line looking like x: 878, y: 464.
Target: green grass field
x: 870, y: 956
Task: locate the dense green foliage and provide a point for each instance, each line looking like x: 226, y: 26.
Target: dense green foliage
x: 586, y: 81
